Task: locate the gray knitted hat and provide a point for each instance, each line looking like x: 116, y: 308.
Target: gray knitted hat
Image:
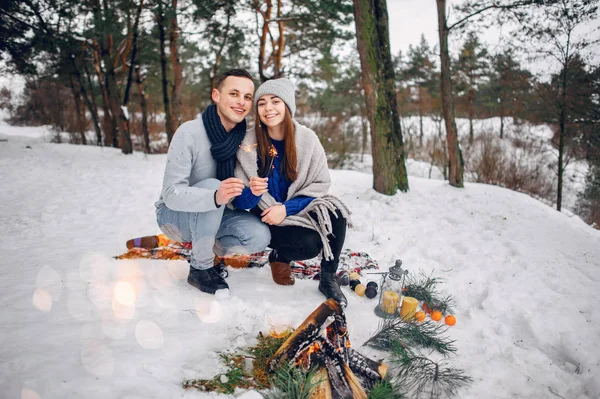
x: 282, y: 88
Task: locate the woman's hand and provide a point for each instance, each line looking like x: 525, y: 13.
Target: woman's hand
x: 274, y: 215
x: 259, y: 185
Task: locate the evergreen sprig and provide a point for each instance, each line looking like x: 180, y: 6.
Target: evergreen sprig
x: 411, y: 333
x: 292, y: 382
x: 423, y: 287
x: 425, y: 377
x: 386, y: 390
x: 236, y: 376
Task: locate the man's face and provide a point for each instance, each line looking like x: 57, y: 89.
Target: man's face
x: 233, y: 100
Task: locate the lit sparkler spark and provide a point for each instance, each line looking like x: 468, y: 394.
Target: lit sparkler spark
x: 273, y: 155
x: 248, y: 147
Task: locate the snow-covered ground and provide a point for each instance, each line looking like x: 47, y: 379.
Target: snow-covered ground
x: 78, y: 324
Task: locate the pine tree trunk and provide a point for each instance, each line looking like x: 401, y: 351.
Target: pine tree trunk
x: 177, y: 70
x: 561, y: 140
x: 264, y: 36
x: 80, y: 119
x: 501, y: 120
x: 90, y: 100
x: 144, y: 107
x: 108, y: 125
x: 372, y: 33
x: 455, y: 159
x: 160, y: 20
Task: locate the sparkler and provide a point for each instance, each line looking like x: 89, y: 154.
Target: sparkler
x: 273, y: 155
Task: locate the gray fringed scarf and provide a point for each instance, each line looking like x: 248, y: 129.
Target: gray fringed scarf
x: 313, y: 181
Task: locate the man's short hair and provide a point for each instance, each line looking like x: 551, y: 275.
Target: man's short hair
x: 232, y: 72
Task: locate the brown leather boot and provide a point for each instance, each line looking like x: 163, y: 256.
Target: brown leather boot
x: 282, y: 273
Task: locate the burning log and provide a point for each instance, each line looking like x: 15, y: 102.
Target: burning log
x: 322, y: 341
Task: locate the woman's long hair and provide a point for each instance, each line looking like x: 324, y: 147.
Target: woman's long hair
x: 290, y: 160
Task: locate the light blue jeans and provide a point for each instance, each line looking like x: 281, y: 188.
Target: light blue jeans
x: 222, y: 231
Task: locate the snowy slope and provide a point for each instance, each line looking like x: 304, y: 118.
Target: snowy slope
x: 77, y: 324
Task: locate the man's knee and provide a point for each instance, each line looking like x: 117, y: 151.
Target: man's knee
x: 260, y: 238
x: 210, y: 183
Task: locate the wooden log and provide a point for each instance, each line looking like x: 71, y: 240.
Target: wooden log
x: 357, y: 390
x: 323, y: 390
x: 363, y: 365
x: 305, y: 334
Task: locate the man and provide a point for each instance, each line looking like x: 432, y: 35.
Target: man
x: 199, y: 182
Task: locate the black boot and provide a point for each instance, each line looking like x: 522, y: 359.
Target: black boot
x: 331, y: 289
x: 221, y: 268
x: 207, y: 280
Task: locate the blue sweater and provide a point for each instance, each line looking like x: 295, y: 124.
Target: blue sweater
x: 278, y: 188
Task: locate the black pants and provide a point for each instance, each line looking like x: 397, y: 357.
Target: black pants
x: 299, y: 243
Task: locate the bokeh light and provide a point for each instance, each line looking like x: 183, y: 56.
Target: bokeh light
x: 149, y: 335
x: 27, y: 393
x: 97, y: 358
x: 49, y: 280
x: 124, y: 293
x: 42, y: 300
x: 178, y: 269
x: 208, y: 310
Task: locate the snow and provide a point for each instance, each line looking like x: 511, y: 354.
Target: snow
x: 77, y: 323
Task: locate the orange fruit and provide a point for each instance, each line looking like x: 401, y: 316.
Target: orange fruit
x: 426, y: 308
x: 450, y: 320
x: 420, y: 316
x: 436, y: 315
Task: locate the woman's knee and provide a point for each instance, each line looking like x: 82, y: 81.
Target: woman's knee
x: 311, y: 244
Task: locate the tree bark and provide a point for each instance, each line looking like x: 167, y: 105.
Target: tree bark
x: 90, y: 100
x: 263, y: 39
x: 160, y: 20
x: 144, y: 107
x: 177, y: 70
x: 561, y: 139
x: 80, y: 119
x: 372, y: 33
x: 108, y: 124
x: 455, y: 160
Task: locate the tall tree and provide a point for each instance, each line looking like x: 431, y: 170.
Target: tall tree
x: 455, y: 159
x: 470, y: 10
x: 161, y: 21
x: 420, y: 74
x: 295, y: 30
x: 378, y: 77
x: 471, y: 68
x: 174, y: 33
x: 558, y: 32
x: 508, y: 90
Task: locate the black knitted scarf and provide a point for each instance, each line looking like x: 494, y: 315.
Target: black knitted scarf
x: 224, y: 145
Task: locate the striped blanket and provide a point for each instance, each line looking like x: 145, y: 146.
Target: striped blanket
x: 307, y: 269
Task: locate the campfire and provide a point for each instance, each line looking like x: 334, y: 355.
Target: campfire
x: 322, y: 342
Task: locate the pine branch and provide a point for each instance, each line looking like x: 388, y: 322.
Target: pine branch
x: 411, y: 334
x: 386, y: 390
x: 423, y: 287
x: 424, y: 377
x: 290, y: 381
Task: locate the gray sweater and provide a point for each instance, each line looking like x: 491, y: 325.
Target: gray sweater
x: 188, y: 161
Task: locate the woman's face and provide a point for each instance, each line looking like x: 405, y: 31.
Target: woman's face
x: 271, y: 110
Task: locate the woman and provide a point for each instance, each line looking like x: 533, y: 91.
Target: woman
x: 289, y: 190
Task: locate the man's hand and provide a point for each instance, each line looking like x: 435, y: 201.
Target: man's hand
x: 259, y: 185
x: 274, y: 215
x: 228, y: 189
